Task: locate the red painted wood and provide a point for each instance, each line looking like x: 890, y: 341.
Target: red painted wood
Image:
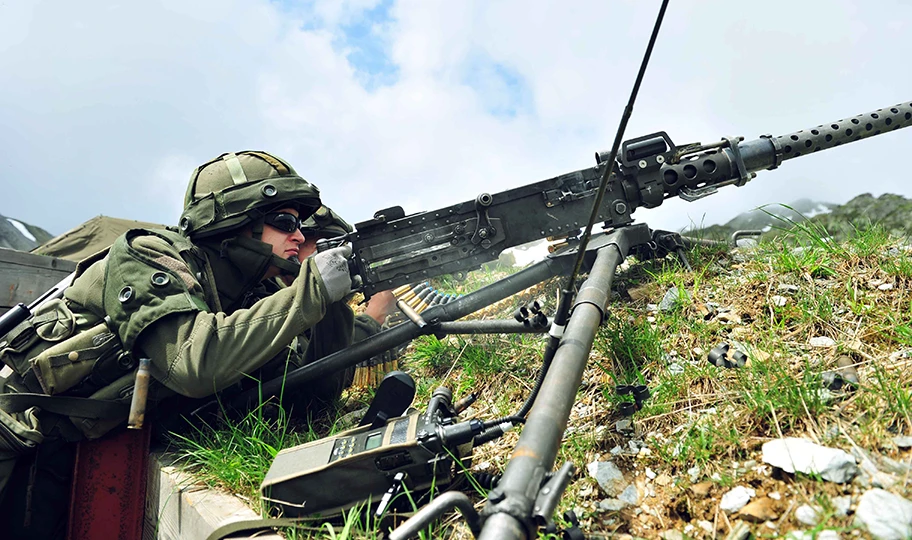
x: 109, y: 487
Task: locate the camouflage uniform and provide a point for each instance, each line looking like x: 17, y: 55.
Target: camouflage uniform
x: 180, y: 299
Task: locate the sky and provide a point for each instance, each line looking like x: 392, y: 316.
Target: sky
x: 106, y: 107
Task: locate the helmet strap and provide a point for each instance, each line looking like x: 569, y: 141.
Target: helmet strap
x: 287, y: 267
x: 256, y: 229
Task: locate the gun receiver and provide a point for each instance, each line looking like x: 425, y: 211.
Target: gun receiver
x: 394, y: 249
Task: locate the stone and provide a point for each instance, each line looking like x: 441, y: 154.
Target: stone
x: 885, y: 515
x: 871, y: 475
x: 821, y: 341
x: 801, y: 455
x: 736, y: 499
x: 807, y: 515
x: 671, y: 535
x: 702, y: 489
x: 694, y: 473
x: 630, y: 495
x: 779, y: 301
x: 608, y: 476
x: 663, y: 480
x: 672, y: 299
x: 611, y: 505
x: 650, y: 474
x: 903, y: 441
x: 746, y: 243
x: 624, y: 426
x: 787, y: 288
x: 760, y: 510
x: 706, y: 526
x: 885, y: 287
x: 841, y: 505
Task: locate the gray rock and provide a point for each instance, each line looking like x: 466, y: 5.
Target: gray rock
x: 821, y: 341
x: 736, y: 499
x: 778, y: 301
x: 694, y: 473
x: 611, y: 505
x: 885, y: 515
x: 624, y: 426
x: 807, y: 515
x: 841, y: 505
x: 746, y: 243
x: 801, y: 455
x: 787, y: 288
x: 630, y: 495
x: 608, y: 476
x: 671, y: 299
x: 675, y: 368
x: 871, y: 475
x: 903, y: 441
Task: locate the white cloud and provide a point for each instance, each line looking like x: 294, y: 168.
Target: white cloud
x: 108, y: 106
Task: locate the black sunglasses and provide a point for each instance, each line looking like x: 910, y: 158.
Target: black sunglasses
x: 283, y: 221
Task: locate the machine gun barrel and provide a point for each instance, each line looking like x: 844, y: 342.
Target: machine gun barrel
x: 695, y: 171
x: 395, y: 249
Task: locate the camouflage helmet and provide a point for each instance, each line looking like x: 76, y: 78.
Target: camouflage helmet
x: 326, y: 224
x: 235, y: 189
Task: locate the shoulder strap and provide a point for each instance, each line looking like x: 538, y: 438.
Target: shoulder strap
x: 65, y: 406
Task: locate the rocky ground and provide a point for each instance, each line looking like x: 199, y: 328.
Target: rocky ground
x: 800, y: 429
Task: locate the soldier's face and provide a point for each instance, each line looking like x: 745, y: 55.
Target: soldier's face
x: 284, y: 244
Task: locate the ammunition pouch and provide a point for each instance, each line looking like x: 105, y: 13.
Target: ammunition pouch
x: 59, y: 353
x: 55, y: 353
x: 82, y: 364
x: 52, y: 324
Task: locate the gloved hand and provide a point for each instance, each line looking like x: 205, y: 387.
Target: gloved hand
x: 332, y: 266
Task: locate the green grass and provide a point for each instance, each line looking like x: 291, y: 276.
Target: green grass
x: 698, y: 414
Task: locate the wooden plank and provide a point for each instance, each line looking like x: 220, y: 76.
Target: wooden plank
x: 11, y: 257
x: 25, y: 276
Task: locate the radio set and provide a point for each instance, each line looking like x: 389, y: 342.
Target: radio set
x: 379, y: 459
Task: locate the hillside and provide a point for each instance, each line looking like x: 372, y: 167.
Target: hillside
x: 718, y: 450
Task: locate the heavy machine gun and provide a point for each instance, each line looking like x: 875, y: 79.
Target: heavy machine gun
x: 394, y: 249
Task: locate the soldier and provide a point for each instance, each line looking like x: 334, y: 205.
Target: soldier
x: 185, y: 300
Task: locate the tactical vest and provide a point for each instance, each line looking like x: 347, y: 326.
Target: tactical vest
x: 82, y: 345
